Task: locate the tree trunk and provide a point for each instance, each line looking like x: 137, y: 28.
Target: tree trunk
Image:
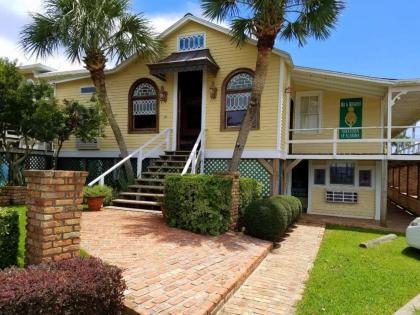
x: 98, y: 79
x: 260, y: 76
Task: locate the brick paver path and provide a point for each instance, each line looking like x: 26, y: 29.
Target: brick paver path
x: 278, y: 283
x: 167, y: 270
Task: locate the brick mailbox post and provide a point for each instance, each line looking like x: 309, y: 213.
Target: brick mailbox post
x: 234, y: 211
x: 54, y: 210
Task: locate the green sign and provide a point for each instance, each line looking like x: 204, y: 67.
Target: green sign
x: 351, y: 111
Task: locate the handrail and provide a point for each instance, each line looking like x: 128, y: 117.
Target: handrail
x: 194, y: 155
x: 139, y: 154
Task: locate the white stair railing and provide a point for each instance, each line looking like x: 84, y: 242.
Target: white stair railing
x: 196, y: 155
x: 141, y: 153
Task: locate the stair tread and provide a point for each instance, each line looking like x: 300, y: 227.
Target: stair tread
x: 146, y: 186
x: 135, y: 194
x: 150, y: 179
x: 137, y: 202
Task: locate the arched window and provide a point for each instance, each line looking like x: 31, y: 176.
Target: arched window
x: 236, y: 95
x: 143, y: 107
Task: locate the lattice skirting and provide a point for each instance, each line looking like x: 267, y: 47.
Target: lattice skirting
x: 248, y: 168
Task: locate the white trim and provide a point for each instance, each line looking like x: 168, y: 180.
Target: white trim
x: 311, y: 184
x: 280, y: 104
x: 203, y: 119
x: 247, y: 154
x: 175, y: 112
x: 178, y: 48
x: 97, y: 154
x: 372, y: 170
x: 297, y: 108
x: 378, y: 191
x: 343, y: 215
x: 288, y: 105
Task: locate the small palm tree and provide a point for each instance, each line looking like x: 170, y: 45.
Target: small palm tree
x: 266, y: 20
x: 92, y: 32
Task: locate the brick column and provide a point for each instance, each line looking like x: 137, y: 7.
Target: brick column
x: 54, y: 211
x: 234, y: 212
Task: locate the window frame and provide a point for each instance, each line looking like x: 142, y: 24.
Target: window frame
x: 223, y: 125
x: 355, y: 176
x: 298, y: 105
x: 85, y: 87
x: 372, y: 177
x: 179, y: 37
x: 323, y: 168
x: 131, y: 129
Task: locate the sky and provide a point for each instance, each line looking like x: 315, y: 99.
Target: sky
x: 373, y: 37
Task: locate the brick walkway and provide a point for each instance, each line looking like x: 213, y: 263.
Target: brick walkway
x: 170, y: 271
x: 278, y: 283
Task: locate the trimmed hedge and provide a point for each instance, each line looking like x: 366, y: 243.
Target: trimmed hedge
x: 270, y: 218
x: 265, y: 220
x: 250, y: 190
x: 198, y: 203
x: 75, y: 286
x: 9, y: 237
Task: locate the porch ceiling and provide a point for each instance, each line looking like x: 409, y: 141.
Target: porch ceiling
x: 406, y: 110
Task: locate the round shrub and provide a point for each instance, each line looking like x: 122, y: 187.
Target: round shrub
x: 265, y: 220
x: 295, y: 204
x: 278, y: 201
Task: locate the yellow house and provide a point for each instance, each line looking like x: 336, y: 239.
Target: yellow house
x: 323, y: 136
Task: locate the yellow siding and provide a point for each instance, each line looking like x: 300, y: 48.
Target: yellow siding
x: 330, y: 119
x: 228, y: 57
x: 364, y: 208
x: 286, y: 107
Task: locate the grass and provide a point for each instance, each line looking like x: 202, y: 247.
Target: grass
x: 22, y: 236
x: 347, y: 279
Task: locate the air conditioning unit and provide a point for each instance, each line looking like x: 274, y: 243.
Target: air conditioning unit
x: 341, y: 196
x: 93, y: 145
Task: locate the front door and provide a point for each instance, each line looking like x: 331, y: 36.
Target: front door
x: 189, y: 108
x: 300, y: 183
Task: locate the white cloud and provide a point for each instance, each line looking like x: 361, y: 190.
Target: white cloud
x: 12, y: 51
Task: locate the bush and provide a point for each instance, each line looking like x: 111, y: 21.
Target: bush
x: 278, y: 201
x: 266, y: 220
x: 295, y: 204
x: 198, y: 203
x: 98, y: 191
x: 76, y: 286
x: 9, y: 237
x: 250, y: 190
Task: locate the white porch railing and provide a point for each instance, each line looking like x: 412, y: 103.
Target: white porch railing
x: 196, y: 155
x: 370, y: 135
x: 162, y: 139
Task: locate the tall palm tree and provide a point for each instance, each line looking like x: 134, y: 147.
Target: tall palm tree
x: 266, y: 20
x: 92, y: 32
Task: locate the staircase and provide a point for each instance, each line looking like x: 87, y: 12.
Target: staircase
x: 148, y: 191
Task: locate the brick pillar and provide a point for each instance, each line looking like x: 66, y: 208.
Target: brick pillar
x: 234, y: 212
x: 54, y: 211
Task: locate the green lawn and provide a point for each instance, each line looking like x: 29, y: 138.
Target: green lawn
x: 347, y: 279
x: 22, y: 236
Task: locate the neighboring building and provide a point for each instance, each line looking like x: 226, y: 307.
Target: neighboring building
x: 296, y: 146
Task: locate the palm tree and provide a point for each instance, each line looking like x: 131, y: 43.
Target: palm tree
x: 92, y: 32
x: 266, y: 20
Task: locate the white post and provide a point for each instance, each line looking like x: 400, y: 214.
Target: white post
x: 203, y: 137
x: 168, y: 140
x: 175, y: 112
x: 335, y: 133
x: 102, y: 180
x: 203, y: 120
x: 194, y: 163
x: 139, y: 163
x: 389, y: 122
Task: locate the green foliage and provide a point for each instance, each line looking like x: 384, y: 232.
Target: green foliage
x: 267, y: 19
x: 98, y: 191
x: 9, y: 237
x: 266, y: 220
x: 113, y: 32
x: 280, y: 202
x: 27, y: 108
x: 199, y: 203
x: 295, y: 204
x: 347, y: 279
x: 21, y: 210
x: 250, y: 190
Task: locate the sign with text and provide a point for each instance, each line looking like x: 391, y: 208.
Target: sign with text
x: 351, y: 111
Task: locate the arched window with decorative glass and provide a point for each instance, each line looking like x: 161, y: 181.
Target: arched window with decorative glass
x: 143, y: 109
x: 236, y: 92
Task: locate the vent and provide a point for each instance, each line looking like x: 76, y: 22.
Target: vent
x: 341, y: 196
x: 93, y: 145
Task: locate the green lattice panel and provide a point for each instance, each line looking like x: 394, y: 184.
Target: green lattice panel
x: 247, y: 168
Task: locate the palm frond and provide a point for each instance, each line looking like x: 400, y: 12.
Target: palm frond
x: 220, y: 10
x: 242, y: 29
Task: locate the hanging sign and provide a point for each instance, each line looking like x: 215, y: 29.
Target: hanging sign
x: 351, y: 110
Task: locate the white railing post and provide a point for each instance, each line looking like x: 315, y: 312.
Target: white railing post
x: 139, y: 163
x: 194, y: 163
x: 102, y: 180
x: 203, y: 143
x: 168, y: 140
x: 335, y: 138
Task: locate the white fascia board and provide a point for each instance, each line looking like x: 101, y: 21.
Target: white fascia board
x: 96, y: 154
x: 247, y: 154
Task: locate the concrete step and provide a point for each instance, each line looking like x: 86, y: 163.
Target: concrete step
x: 136, y: 194
x: 136, y: 202
x: 150, y: 180
x: 149, y: 187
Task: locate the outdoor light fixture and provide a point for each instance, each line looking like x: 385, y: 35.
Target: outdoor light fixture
x: 213, y: 91
x: 288, y: 90
x: 163, y: 95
